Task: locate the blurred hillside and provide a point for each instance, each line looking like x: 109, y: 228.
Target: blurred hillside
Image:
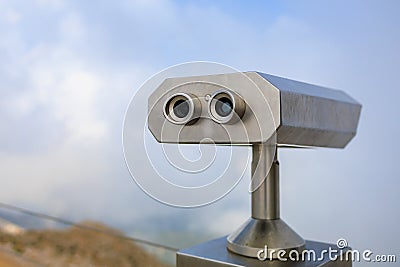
x: 75, y: 246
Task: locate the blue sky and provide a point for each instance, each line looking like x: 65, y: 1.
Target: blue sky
x: 69, y: 68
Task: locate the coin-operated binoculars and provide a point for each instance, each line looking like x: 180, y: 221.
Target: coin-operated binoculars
x: 266, y: 112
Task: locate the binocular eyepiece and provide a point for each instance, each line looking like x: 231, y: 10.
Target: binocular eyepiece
x: 224, y: 107
x: 182, y: 108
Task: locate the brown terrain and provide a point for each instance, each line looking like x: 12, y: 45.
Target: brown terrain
x: 92, y: 245
x: 8, y: 260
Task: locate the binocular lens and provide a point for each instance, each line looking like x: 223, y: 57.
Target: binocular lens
x: 224, y: 106
x: 181, y: 108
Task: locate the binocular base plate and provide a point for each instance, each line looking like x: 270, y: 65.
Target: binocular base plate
x: 215, y: 254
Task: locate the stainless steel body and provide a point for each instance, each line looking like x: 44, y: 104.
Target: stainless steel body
x: 264, y: 111
x: 298, y: 113
x: 265, y: 197
x: 265, y: 228
x: 214, y: 254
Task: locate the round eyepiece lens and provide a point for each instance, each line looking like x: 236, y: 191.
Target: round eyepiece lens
x: 181, y: 108
x: 224, y: 106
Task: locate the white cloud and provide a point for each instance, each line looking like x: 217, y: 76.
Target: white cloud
x: 70, y: 93
x: 11, y: 16
x: 227, y: 221
x: 72, y: 28
x: 81, y: 103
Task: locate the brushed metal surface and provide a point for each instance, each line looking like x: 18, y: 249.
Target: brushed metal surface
x: 300, y: 113
x: 214, y: 254
x: 256, y: 233
x: 265, y: 226
x: 265, y: 182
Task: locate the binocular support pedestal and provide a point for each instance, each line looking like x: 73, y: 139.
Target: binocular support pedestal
x: 261, y: 240
x: 265, y: 230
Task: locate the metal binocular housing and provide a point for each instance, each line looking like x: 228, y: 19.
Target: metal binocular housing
x: 261, y: 110
x: 249, y: 108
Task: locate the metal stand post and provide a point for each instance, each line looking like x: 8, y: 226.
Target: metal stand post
x: 263, y: 231
x: 265, y: 199
x: 265, y: 228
